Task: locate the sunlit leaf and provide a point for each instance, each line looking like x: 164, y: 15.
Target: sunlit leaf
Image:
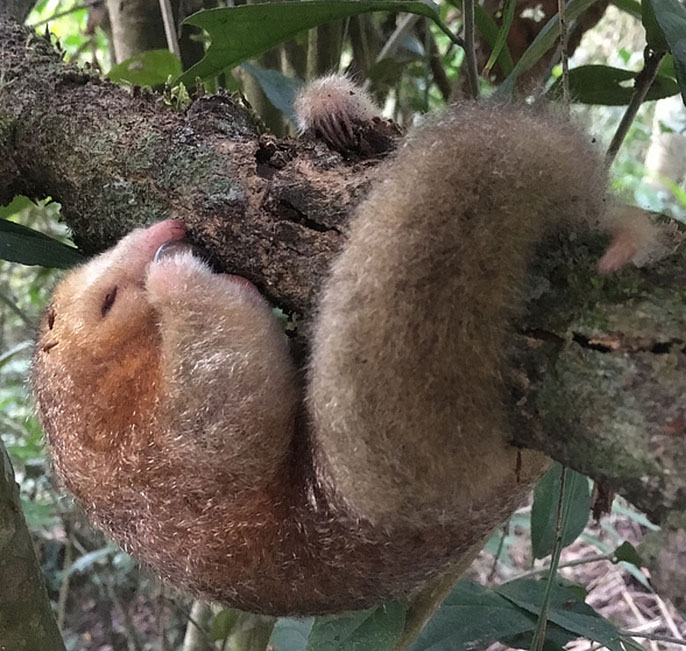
x: 38, y: 514
x: 544, y: 510
x: 16, y: 205
x: 222, y: 624
x: 150, y: 68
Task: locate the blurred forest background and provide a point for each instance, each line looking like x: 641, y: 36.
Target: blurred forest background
x: 101, y: 599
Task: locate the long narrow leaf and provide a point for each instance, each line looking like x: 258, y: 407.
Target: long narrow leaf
x: 508, y: 15
x: 542, y: 43
x: 21, y: 244
x: 489, y: 30
x: 241, y: 33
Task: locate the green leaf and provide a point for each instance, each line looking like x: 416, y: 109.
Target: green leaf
x: 667, y: 68
x: 542, y: 43
x: 544, y: 510
x: 508, y: 15
x: 241, y: 33
x: 378, y: 629
x: 555, y: 639
x: 16, y: 205
x: 630, y: 6
x: 566, y: 610
x: 38, y: 514
x: 488, y: 28
x: 630, y: 643
x: 279, y: 89
x: 654, y: 36
x: 598, y: 84
x: 21, y: 244
x: 671, y: 18
x: 607, y: 549
x: 472, y: 615
x: 627, y: 553
x: 290, y: 634
x: 150, y: 68
x: 222, y: 624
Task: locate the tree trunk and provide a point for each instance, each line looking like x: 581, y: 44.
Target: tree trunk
x: 136, y: 26
x: 17, y: 9
x: 26, y: 620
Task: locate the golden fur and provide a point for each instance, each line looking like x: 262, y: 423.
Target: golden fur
x: 174, y: 415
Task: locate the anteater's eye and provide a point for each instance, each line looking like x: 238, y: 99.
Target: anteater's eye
x: 51, y: 318
x: 108, y: 302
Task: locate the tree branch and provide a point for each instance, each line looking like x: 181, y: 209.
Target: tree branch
x: 268, y: 209
x: 599, y: 364
x: 644, y: 80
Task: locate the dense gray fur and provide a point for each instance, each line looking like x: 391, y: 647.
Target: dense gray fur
x: 405, y: 383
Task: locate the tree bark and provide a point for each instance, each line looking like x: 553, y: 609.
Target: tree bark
x: 268, y: 209
x: 598, y: 364
x: 17, y: 9
x: 26, y: 620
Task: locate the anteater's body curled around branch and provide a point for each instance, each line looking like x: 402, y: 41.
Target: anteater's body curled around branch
x: 175, y: 416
